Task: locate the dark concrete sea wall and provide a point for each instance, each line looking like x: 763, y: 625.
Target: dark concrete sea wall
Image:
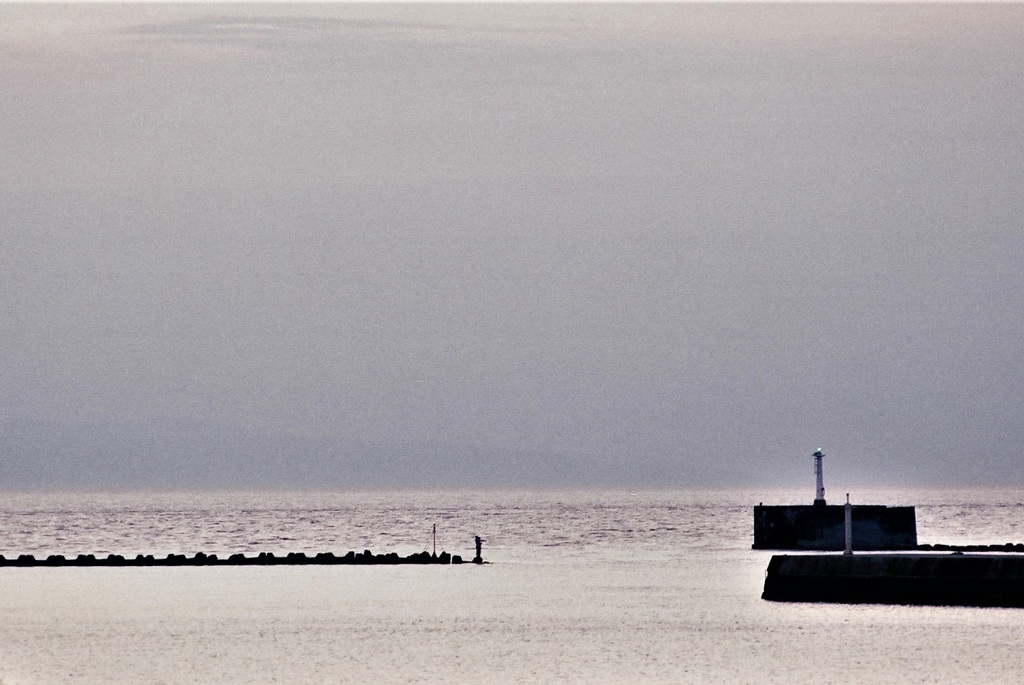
x: 262, y: 559
x: 820, y: 528
x: 956, y: 579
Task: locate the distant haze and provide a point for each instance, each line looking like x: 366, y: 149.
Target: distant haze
x: 381, y: 245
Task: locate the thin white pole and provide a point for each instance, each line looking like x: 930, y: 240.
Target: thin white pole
x: 849, y: 525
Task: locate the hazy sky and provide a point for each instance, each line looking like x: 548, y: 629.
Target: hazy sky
x: 359, y: 245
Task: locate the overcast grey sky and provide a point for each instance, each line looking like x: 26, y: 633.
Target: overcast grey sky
x: 378, y: 245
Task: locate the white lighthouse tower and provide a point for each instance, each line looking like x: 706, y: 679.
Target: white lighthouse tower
x: 819, y: 477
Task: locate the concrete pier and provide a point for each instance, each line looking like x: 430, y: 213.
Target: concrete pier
x: 956, y: 579
x: 822, y: 528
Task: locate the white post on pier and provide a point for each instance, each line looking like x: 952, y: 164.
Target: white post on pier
x: 819, y: 477
x: 848, y: 524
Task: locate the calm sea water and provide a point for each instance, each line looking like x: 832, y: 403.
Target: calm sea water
x: 584, y: 587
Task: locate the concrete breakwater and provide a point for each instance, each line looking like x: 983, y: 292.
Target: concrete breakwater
x: 1011, y: 547
x: 875, y: 527
x: 956, y: 579
x: 262, y: 559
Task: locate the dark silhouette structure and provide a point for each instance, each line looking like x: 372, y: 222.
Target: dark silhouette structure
x: 956, y: 579
x: 811, y: 527
x: 819, y: 526
x: 478, y: 559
